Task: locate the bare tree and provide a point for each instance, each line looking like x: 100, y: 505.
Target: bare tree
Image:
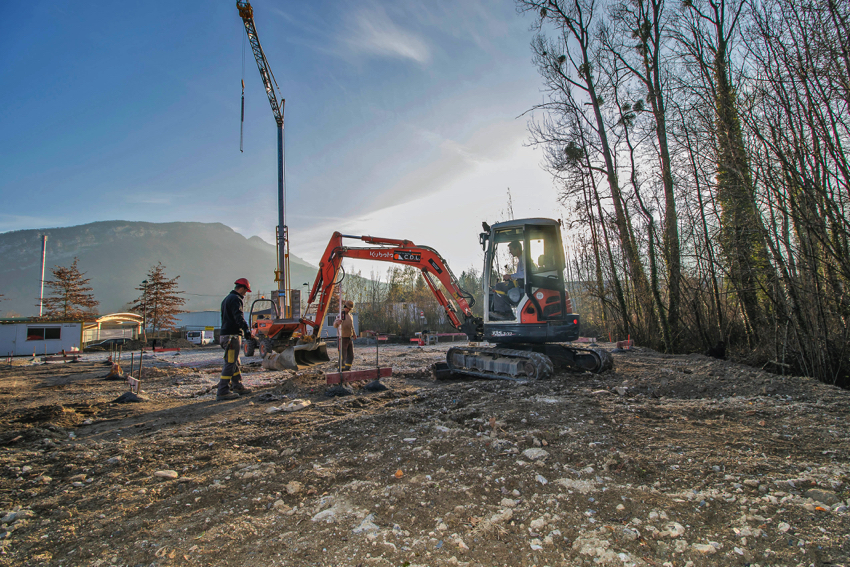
x: 644, y: 23
x: 572, y: 64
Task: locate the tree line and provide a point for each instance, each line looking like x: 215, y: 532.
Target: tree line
x: 70, y: 297
x: 400, y: 301
x: 701, y: 149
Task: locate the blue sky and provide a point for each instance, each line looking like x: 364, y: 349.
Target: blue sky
x: 402, y: 118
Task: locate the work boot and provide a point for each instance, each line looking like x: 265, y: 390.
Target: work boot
x: 240, y: 389
x: 223, y: 392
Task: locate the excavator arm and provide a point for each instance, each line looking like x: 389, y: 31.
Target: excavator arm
x: 457, y: 302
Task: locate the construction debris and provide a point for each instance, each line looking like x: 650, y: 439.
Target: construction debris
x: 665, y: 460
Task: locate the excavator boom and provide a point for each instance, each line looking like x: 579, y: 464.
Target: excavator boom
x: 458, y: 303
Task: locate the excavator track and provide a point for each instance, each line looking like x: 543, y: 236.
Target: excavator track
x: 524, y: 365
x: 590, y: 359
x: 499, y: 363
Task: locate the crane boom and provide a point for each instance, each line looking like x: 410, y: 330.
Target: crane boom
x: 246, y: 12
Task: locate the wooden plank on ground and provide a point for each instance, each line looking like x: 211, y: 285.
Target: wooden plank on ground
x: 358, y: 375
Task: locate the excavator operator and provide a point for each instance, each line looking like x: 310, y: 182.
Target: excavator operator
x: 517, y: 279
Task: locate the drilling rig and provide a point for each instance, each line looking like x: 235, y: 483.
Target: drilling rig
x: 285, y: 301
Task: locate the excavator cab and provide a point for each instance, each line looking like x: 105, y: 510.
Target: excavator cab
x: 527, y: 301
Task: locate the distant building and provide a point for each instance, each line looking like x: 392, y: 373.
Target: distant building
x: 28, y: 337
x: 113, y: 326
x: 198, y: 320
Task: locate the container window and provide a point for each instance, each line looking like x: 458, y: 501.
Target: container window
x: 44, y: 333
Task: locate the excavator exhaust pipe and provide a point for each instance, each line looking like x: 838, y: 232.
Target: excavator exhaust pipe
x: 297, y: 357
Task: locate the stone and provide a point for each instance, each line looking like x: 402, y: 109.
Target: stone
x: 328, y: 516
x: 294, y: 487
x: 367, y: 526
x: 673, y: 530
x: 582, y: 486
x: 541, y: 479
x: 535, y: 454
x: 508, y: 503
x: 783, y: 527
x: 704, y: 548
x: 827, y: 497
x: 166, y: 474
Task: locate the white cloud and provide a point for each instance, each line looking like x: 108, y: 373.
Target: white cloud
x: 448, y: 216
x: 371, y: 31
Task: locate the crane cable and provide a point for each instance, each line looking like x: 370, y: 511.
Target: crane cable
x: 242, y: 122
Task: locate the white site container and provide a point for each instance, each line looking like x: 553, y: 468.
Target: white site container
x: 20, y: 338
x: 200, y: 337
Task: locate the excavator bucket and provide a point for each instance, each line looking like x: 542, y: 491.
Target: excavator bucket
x: 297, y: 357
x: 311, y: 354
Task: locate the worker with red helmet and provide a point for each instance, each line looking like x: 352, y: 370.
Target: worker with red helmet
x: 233, y: 328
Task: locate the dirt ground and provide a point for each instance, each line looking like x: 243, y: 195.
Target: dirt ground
x: 664, y: 461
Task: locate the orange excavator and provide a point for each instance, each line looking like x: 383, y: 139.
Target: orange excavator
x: 528, y: 323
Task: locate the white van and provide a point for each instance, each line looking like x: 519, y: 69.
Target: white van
x: 200, y: 337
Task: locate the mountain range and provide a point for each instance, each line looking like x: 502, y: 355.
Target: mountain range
x: 117, y: 255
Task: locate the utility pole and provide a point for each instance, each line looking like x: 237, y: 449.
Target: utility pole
x: 43, y: 257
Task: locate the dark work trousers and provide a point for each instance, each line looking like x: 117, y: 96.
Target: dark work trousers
x: 230, y: 372
x: 346, y: 352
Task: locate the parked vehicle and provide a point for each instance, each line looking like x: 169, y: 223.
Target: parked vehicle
x: 106, y: 343
x: 201, y: 337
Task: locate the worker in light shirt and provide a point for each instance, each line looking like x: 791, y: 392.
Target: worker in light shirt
x: 344, y: 324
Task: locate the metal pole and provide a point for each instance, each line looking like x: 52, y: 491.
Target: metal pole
x: 281, y: 222
x: 145, y: 310
x: 43, y: 256
x: 139, y: 386
x: 339, y: 331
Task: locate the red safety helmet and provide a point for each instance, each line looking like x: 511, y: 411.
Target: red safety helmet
x: 244, y: 283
